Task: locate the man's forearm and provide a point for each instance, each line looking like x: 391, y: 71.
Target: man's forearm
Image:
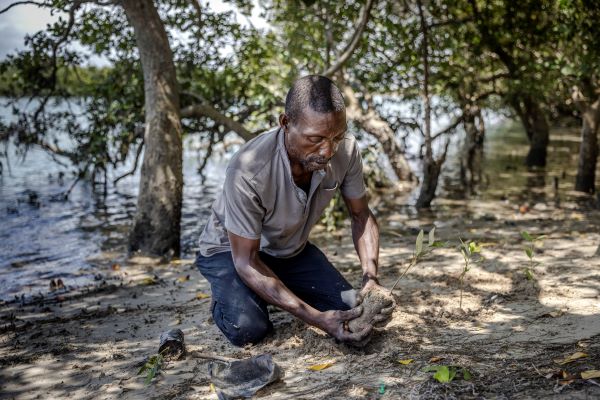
x: 259, y: 277
x: 365, y: 234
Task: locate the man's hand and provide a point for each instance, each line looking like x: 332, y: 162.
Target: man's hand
x: 335, y: 324
x: 385, y: 314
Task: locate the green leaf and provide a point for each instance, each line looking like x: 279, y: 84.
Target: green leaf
x: 432, y: 236
x: 466, y: 374
x: 419, y: 243
x: 444, y: 374
x: 529, y: 252
x: 474, y: 248
x: 525, y: 235
x: 143, y: 368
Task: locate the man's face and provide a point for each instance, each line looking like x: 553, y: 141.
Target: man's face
x: 314, y: 138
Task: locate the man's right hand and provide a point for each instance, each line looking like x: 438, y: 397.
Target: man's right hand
x: 335, y: 323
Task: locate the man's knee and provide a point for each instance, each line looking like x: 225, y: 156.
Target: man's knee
x: 242, y: 328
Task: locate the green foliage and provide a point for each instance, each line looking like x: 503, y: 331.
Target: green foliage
x: 421, y: 250
x: 446, y: 374
x: 471, y: 255
x: 151, y: 367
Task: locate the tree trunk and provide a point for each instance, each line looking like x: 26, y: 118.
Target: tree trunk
x: 536, y: 127
x: 431, y: 166
x: 156, y: 226
x: 588, y: 150
x: 471, y: 158
x: 374, y: 125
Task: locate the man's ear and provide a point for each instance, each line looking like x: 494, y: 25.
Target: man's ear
x: 283, y: 121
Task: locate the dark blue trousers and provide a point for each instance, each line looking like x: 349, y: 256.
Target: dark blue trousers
x: 242, y: 315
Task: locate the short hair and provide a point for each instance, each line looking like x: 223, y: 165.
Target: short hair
x: 314, y: 91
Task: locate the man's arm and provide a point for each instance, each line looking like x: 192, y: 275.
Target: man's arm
x: 259, y: 277
x: 365, y: 234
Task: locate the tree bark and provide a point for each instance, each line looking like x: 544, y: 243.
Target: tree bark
x: 588, y: 150
x: 156, y: 227
x: 538, y: 132
x: 431, y: 166
x: 373, y: 124
x: 471, y: 158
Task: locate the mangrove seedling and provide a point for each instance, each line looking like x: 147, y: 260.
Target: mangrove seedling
x: 530, y: 252
x: 471, y: 255
x: 378, y: 299
x: 151, y: 367
x: 447, y: 373
x: 420, y: 252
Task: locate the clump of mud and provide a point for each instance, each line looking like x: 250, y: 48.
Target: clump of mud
x: 375, y: 300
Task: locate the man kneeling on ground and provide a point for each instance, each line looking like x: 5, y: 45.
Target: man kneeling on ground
x: 254, y: 249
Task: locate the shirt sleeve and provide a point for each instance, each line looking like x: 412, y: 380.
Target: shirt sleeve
x: 243, y: 209
x: 353, y: 186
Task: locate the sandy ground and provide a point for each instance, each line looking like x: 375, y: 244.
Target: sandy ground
x: 88, y: 344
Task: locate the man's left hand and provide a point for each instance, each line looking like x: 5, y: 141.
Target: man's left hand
x: 385, y: 314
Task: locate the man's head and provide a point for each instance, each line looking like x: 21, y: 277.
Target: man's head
x: 314, y: 121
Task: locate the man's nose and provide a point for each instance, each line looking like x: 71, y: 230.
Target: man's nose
x: 328, y: 149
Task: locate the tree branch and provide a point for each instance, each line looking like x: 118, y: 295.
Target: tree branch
x: 205, y: 110
x: 360, y: 27
x: 18, y: 3
x: 135, y: 163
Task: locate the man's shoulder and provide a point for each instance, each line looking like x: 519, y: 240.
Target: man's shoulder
x: 254, y: 155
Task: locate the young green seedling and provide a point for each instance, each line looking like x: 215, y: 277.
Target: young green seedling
x: 420, y: 252
x: 470, y: 252
x: 530, y: 252
x: 447, y: 373
x: 151, y: 367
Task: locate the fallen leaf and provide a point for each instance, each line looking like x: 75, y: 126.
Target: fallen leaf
x: 149, y: 281
x: 183, y: 278
x: 211, y: 387
x: 201, y: 296
x: 406, y: 362
x: 436, y: 359
x: 320, y: 367
x: 116, y: 267
x: 591, y: 374
x: 571, y: 358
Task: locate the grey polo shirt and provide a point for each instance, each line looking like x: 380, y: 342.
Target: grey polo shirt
x: 261, y: 201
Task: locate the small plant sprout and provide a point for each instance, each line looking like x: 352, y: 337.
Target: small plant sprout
x: 471, y: 255
x: 420, y: 252
x: 447, y: 373
x: 530, y: 252
x: 151, y: 367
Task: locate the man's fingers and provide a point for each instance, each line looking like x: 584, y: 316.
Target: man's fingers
x: 358, y: 336
x: 352, y: 313
x: 380, y: 319
x: 388, y: 311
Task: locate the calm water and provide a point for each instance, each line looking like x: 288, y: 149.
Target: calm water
x: 42, y: 238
